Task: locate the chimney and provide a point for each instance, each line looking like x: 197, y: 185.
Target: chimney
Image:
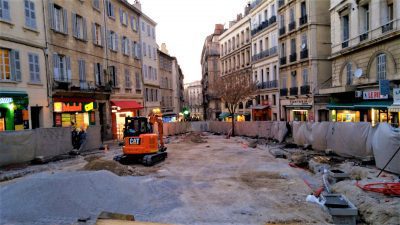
x: 164, y: 48
x: 219, y: 28
x: 138, y: 5
x: 247, y: 9
x: 239, y: 17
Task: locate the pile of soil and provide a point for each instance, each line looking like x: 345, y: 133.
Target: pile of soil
x: 260, y: 179
x: 112, y: 166
x: 194, y: 137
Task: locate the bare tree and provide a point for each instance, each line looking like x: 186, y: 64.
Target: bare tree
x: 233, y: 89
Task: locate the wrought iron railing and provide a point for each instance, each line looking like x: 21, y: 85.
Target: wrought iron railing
x: 283, y: 92
x: 292, y: 25
x: 304, y: 53
x: 293, y: 57
x: 282, y: 60
x: 294, y: 91
x: 305, y: 89
x: 303, y: 20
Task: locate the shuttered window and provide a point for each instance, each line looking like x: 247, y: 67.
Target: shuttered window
x: 59, y: 18
x: 61, y: 68
x: 349, y: 74
x: 34, y: 69
x: 381, y: 66
x: 138, y: 81
x: 79, y: 28
x: 10, y: 65
x: 98, y: 74
x: 110, y: 9
x: 127, y: 79
x: 30, y: 15
x: 5, y: 10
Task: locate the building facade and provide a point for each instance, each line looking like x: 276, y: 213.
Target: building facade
x: 166, y: 83
x: 210, y: 65
x: 23, y: 82
x: 304, y: 51
x: 94, y: 63
x: 265, y: 65
x: 365, y: 61
x: 194, y: 99
x: 235, y: 52
x: 177, y: 87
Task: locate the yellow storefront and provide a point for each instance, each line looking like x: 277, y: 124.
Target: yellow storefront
x: 69, y: 112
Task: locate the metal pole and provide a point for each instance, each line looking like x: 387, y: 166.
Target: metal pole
x: 388, y: 162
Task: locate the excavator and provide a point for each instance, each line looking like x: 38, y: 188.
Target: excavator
x: 141, y: 143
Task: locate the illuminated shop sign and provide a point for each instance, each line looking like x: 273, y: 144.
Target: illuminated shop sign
x: 374, y: 94
x: 4, y: 100
x: 74, y: 107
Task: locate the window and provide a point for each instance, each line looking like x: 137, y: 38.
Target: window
x: 62, y: 68
x: 145, y: 71
x: 112, y: 41
x: 144, y: 49
x: 283, y: 50
x: 153, y: 33
x: 134, y: 24
x: 294, y: 81
x: 148, y: 30
x: 30, y: 16
x: 125, y: 46
x: 345, y: 28
x: 150, y: 71
x: 364, y: 18
x: 255, y: 48
x: 266, y: 14
x: 149, y: 49
x: 284, y: 81
x: 79, y: 27
x: 97, y: 33
x: 123, y: 17
x: 303, y: 9
x: 261, y: 46
x: 303, y: 41
x: 110, y: 9
x: 113, y: 75
x: 282, y: 21
x: 82, y: 74
x: 291, y: 13
x: 390, y: 12
x: 10, y: 65
x: 59, y: 19
x: 155, y: 74
x: 273, y: 10
x: 381, y: 66
x: 98, y: 74
x: 143, y: 27
x: 127, y: 79
x: 349, y: 74
x: 305, y: 77
x: 138, y: 81
x: 154, y: 53
x: 34, y: 69
x: 5, y: 10
x: 96, y: 4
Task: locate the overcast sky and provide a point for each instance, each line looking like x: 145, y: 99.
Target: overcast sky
x: 184, y: 24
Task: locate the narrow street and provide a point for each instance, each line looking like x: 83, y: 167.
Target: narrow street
x: 219, y: 181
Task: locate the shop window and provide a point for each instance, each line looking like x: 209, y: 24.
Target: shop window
x: 381, y: 66
x: 10, y: 67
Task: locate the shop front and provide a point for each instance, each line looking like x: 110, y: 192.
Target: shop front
x: 298, y: 109
x: 261, y: 112
x: 74, y: 112
x: 394, y: 109
x: 239, y: 117
x: 14, y: 113
x: 121, y: 109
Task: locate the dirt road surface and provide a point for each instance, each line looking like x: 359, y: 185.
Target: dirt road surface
x: 221, y: 181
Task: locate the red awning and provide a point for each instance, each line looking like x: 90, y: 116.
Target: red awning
x: 127, y: 104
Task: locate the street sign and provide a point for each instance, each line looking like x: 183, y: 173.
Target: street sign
x: 384, y: 87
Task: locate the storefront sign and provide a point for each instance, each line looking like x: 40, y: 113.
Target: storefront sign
x: 384, y: 87
x: 89, y: 107
x: 73, y: 107
x: 396, y: 96
x: 300, y: 102
x: 4, y: 100
x: 374, y: 94
x: 58, y: 106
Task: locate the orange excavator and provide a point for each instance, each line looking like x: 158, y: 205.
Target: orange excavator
x: 140, y: 141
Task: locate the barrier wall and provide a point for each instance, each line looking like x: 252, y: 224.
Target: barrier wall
x: 176, y: 128
x: 385, y: 142
x: 17, y: 147
x: 93, y: 138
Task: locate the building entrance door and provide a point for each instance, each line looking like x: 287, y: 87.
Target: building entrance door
x: 35, y: 117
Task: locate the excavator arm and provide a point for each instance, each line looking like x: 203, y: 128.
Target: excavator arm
x: 153, y: 119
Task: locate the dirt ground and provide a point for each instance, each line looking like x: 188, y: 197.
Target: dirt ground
x: 206, y: 180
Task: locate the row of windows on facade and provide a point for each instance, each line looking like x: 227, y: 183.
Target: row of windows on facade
x: 166, y: 101
x: 292, y: 16
x: 62, y: 73
x: 293, y: 45
x: 235, y: 62
x: 29, y: 12
x: 10, y: 66
x: 267, y: 75
x: 293, y: 78
x: 150, y: 73
x: 264, y: 44
x: 235, y: 42
x: 263, y: 16
x: 151, y: 95
x: 381, y: 69
x: 364, y: 15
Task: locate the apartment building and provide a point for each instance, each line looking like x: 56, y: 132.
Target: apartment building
x: 151, y: 81
x: 166, y: 82
x: 235, y: 52
x: 211, y: 71
x: 23, y: 82
x: 194, y: 99
x: 365, y: 61
x: 265, y: 65
x: 177, y: 87
x: 304, y: 64
x: 94, y: 58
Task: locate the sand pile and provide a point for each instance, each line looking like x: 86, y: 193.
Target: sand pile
x: 112, y: 166
x: 63, y: 198
x: 194, y: 137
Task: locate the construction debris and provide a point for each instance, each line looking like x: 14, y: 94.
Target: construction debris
x: 112, y: 166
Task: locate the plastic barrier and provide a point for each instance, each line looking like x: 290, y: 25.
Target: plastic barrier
x: 385, y: 143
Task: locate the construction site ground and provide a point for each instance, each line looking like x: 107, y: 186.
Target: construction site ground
x: 206, y: 180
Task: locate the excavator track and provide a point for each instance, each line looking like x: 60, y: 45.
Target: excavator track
x: 150, y: 160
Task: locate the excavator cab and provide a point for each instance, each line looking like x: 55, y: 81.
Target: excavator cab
x: 140, y: 143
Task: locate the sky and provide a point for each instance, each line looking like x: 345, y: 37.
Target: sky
x: 184, y: 24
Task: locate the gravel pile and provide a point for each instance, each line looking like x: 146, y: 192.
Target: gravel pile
x: 63, y: 198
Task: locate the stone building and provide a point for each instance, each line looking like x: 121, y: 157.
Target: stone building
x: 177, y: 87
x: 151, y: 81
x: 24, y: 102
x: 94, y: 63
x: 235, y: 56
x: 166, y: 82
x: 194, y: 99
x: 210, y: 72
x: 264, y: 42
x: 365, y: 58
x: 304, y: 50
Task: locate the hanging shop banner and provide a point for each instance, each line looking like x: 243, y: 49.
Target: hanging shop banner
x: 74, y: 106
x: 384, y: 87
x: 396, y: 96
x: 374, y: 94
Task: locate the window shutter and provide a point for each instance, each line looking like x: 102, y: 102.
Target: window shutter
x: 102, y: 35
x: 120, y: 16
x: 116, y: 42
x: 74, y: 30
x: 127, y: 47
x: 15, y: 65
x: 68, y: 65
x: 27, y: 13
x: 33, y: 15
x: 96, y: 73
x: 139, y: 50
x: 84, y: 70
x: 6, y: 10
x: 116, y: 76
x: 51, y: 15
x: 31, y: 67
x: 101, y: 72
x: 65, y: 21
x: 84, y: 29
x: 109, y: 39
x: 94, y: 33
x: 56, y: 63
x: 132, y: 23
x: 37, y: 68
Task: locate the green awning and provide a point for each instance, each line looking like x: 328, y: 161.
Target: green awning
x: 340, y: 106
x: 373, y: 104
x: 13, y: 94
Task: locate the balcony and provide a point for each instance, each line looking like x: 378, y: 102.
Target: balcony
x: 303, y: 20
x: 387, y: 27
x: 260, y: 27
x: 364, y: 36
x: 80, y: 85
x: 281, y: 3
x: 272, y: 20
x: 304, y: 54
x: 294, y: 91
x: 273, y: 50
x: 261, y: 55
x: 283, y: 92
x: 268, y: 84
x: 282, y: 31
x: 345, y: 44
x: 305, y: 89
x: 293, y: 57
x: 282, y: 60
x: 292, y: 25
